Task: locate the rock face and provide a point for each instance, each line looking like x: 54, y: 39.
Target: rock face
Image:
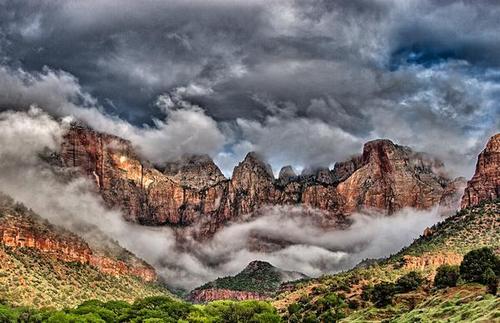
x: 386, y: 177
x: 21, y: 228
x: 485, y: 184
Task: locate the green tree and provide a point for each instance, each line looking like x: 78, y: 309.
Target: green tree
x: 476, y: 262
x: 447, y: 276
x: 409, y: 282
x: 490, y: 279
x: 382, y: 294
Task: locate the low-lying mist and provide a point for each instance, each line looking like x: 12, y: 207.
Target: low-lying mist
x: 287, y: 237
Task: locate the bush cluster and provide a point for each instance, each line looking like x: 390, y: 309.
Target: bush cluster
x: 382, y: 293
x: 329, y: 308
x: 447, y: 276
x: 151, y: 309
x: 478, y: 266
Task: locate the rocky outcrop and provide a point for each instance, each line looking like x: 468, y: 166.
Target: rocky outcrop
x: 21, y: 228
x: 209, y: 295
x: 485, y: 184
x: 429, y: 261
x: 252, y: 185
x: 390, y: 178
x: 178, y: 196
x: 386, y: 177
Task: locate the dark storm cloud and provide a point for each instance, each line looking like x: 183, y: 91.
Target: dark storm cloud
x: 278, y: 76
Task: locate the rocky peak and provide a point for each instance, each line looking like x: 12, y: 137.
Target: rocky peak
x: 195, y: 171
x: 255, y: 164
x: 390, y: 178
x: 485, y: 184
x: 257, y: 265
x: 342, y: 170
x: 192, y: 190
x: 318, y: 174
x: 381, y: 152
x: 252, y: 185
x: 286, y: 175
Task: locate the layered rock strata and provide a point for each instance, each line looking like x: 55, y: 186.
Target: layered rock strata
x: 485, y: 184
x: 386, y: 177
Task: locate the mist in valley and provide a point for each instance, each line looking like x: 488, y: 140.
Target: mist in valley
x: 288, y: 237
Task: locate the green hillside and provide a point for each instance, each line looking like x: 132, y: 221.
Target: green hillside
x: 358, y: 295
x: 33, y: 277
x: 258, y: 276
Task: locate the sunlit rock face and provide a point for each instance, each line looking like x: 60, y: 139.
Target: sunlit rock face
x: 386, y: 177
x: 485, y: 184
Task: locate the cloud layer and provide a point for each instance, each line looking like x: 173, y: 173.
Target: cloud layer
x: 304, y: 82
x: 72, y: 202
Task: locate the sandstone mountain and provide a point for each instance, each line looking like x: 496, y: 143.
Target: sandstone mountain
x: 50, y: 266
x: 192, y: 190
x: 485, y: 184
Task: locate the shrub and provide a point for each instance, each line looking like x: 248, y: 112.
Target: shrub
x: 293, y: 308
x: 310, y: 318
x: 331, y: 307
x: 447, y: 276
x: 366, y: 294
x: 409, y: 282
x: 490, y: 279
x: 382, y: 294
x: 477, y: 262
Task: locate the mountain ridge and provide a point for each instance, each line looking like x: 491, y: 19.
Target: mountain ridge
x: 386, y: 176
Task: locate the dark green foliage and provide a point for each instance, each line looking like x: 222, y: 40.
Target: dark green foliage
x: 151, y: 309
x: 311, y: 318
x: 366, y: 294
x: 293, y: 308
x: 329, y: 308
x: 258, y: 277
x: 490, y: 279
x: 245, y: 311
x: 447, y: 276
x: 382, y: 294
x: 478, y: 261
x: 409, y: 282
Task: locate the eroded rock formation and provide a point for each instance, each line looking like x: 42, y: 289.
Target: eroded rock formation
x: 21, y: 228
x: 485, y: 184
x: 386, y: 177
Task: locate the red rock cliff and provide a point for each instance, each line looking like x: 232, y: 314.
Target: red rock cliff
x: 386, y: 176
x: 485, y: 184
x: 23, y: 229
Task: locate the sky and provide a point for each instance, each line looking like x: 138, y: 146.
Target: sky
x: 304, y: 82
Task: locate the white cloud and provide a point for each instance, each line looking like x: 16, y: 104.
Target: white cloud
x: 186, y: 130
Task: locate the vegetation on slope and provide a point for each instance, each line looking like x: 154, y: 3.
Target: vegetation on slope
x: 29, y: 277
x: 151, y: 309
x: 375, y: 293
x: 258, y: 276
